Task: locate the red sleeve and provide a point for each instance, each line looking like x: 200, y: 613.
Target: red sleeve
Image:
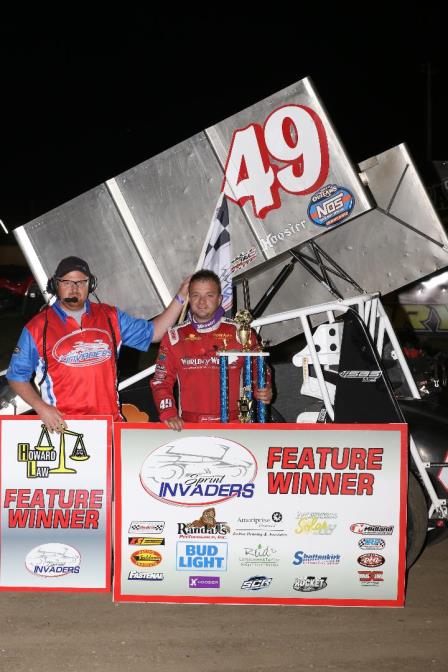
x: 162, y: 382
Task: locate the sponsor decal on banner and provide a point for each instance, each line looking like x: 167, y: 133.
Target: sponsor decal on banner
x: 146, y: 541
x: 367, y: 528
x: 315, y: 523
x: 261, y: 526
x: 371, y: 560
x: 54, y: 458
x: 135, y: 575
x: 206, y: 526
x: 330, y: 205
x: 371, y: 544
x: 256, y: 583
x: 261, y: 555
x: 147, y: 526
x: 302, y: 558
x: 204, y: 581
x: 208, y: 557
x: 53, y: 508
x: 370, y: 578
x: 310, y: 584
x: 146, y: 558
x: 193, y: 471
x: 53, y: 560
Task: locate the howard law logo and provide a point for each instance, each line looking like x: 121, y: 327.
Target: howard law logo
x: 206, y: 525
x: 53, y: 461
x: 53, y: 560
x: 198, y: 470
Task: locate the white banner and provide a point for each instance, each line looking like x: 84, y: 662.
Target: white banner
x: 273, y: 514
x: 56, y: 505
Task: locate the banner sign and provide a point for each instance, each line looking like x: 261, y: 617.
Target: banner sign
x: 268, y: 514
x: 56, y: 505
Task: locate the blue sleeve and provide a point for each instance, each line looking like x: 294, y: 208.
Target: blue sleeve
x: 24, y: 360
x: 135, y: 332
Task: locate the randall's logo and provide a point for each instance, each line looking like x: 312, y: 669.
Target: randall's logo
x: 206, y: 524
x: 45, y: 452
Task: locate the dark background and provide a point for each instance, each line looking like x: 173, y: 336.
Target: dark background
x: 86, y: 97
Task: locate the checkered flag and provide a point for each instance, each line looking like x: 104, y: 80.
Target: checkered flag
x: 218, y: 251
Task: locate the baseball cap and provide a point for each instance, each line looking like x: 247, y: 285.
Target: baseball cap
x: 70, y: 264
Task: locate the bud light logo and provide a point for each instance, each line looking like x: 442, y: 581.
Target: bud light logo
x: 53, y: 560
x: 330, y: 205
x: 84, y: 347
x: 198, y: 470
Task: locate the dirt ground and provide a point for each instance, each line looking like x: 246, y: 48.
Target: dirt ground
x: 83, y: 632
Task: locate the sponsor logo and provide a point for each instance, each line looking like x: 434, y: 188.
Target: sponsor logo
x: 201, y: 362
x: 243, y: 260
x: 208, y: 557
x: 370, y: 578
x: 146, y: 558
x: 302, y: 558
x: 135, y: 575
x: 315, y: 523
x: 367, y: 528
x: 206, y: 525
x: 363, y: 376
x: 70, y: 350
x: 371, y: 560
x: 192, y: 337
x: 373, y: 544
x: 273, y: 238
x: 330, y: 205
x: 146, y: 541
x: 261, y: 526
x: 53, y: 560
x: 198, y: 470
x: 147, y: 526
x: 54, y: 458
x: 309, y: 584
x: 204, y: 582
x: 256, y: 583
x: 261, y: 555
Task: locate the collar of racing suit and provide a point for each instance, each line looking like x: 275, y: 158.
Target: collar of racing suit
x: 211, y: 324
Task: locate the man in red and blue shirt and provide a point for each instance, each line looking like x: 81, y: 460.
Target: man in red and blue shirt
x: 73, y: 345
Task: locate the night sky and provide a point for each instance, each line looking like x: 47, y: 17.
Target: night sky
x: 85, y: 98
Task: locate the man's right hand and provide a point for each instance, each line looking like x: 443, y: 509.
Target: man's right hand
x: 175, y: 423
x: 51, y: 417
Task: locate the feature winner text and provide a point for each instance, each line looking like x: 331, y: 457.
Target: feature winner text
x: 53, y: 508
x: 323, y: 470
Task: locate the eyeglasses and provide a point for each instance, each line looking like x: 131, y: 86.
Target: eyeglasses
x: 73, y: 283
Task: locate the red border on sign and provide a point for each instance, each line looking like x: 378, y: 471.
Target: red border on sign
x: 108, y: 511
x: 118, y: 596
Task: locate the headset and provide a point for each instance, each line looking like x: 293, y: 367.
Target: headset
x: 52, y: 284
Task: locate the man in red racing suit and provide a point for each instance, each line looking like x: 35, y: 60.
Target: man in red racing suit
x: 188, y: 353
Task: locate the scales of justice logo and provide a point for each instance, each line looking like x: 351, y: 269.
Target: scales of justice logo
x: 45, y: 452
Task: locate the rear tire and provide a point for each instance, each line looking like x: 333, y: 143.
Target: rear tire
x: 417, y: 521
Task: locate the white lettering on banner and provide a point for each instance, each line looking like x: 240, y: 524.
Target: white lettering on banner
x: 292, y: 134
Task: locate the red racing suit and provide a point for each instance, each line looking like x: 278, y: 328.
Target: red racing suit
x: 191, y: 357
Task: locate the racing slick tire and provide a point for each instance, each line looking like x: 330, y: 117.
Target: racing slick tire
x: 417, y: 520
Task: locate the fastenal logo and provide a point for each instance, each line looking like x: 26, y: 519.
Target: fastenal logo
x: 206, y: 525
x: 198, y: 470
x: 208, y: 557
x: 371, y: 560
x: 256, y: 583
x: 316, y: 523
x: 310, y: 584
x: 204, y: 582
x: 53, y: 560
x: 330, y: 205
x: 135, y: 575
x: 373, y: 544
x: 146, y: 558
x: 147, y: 526
x: 366, y: 528
x: 84, y: 347
x: 54, y: 459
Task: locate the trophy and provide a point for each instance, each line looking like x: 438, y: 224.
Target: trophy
x: 246, y: 401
